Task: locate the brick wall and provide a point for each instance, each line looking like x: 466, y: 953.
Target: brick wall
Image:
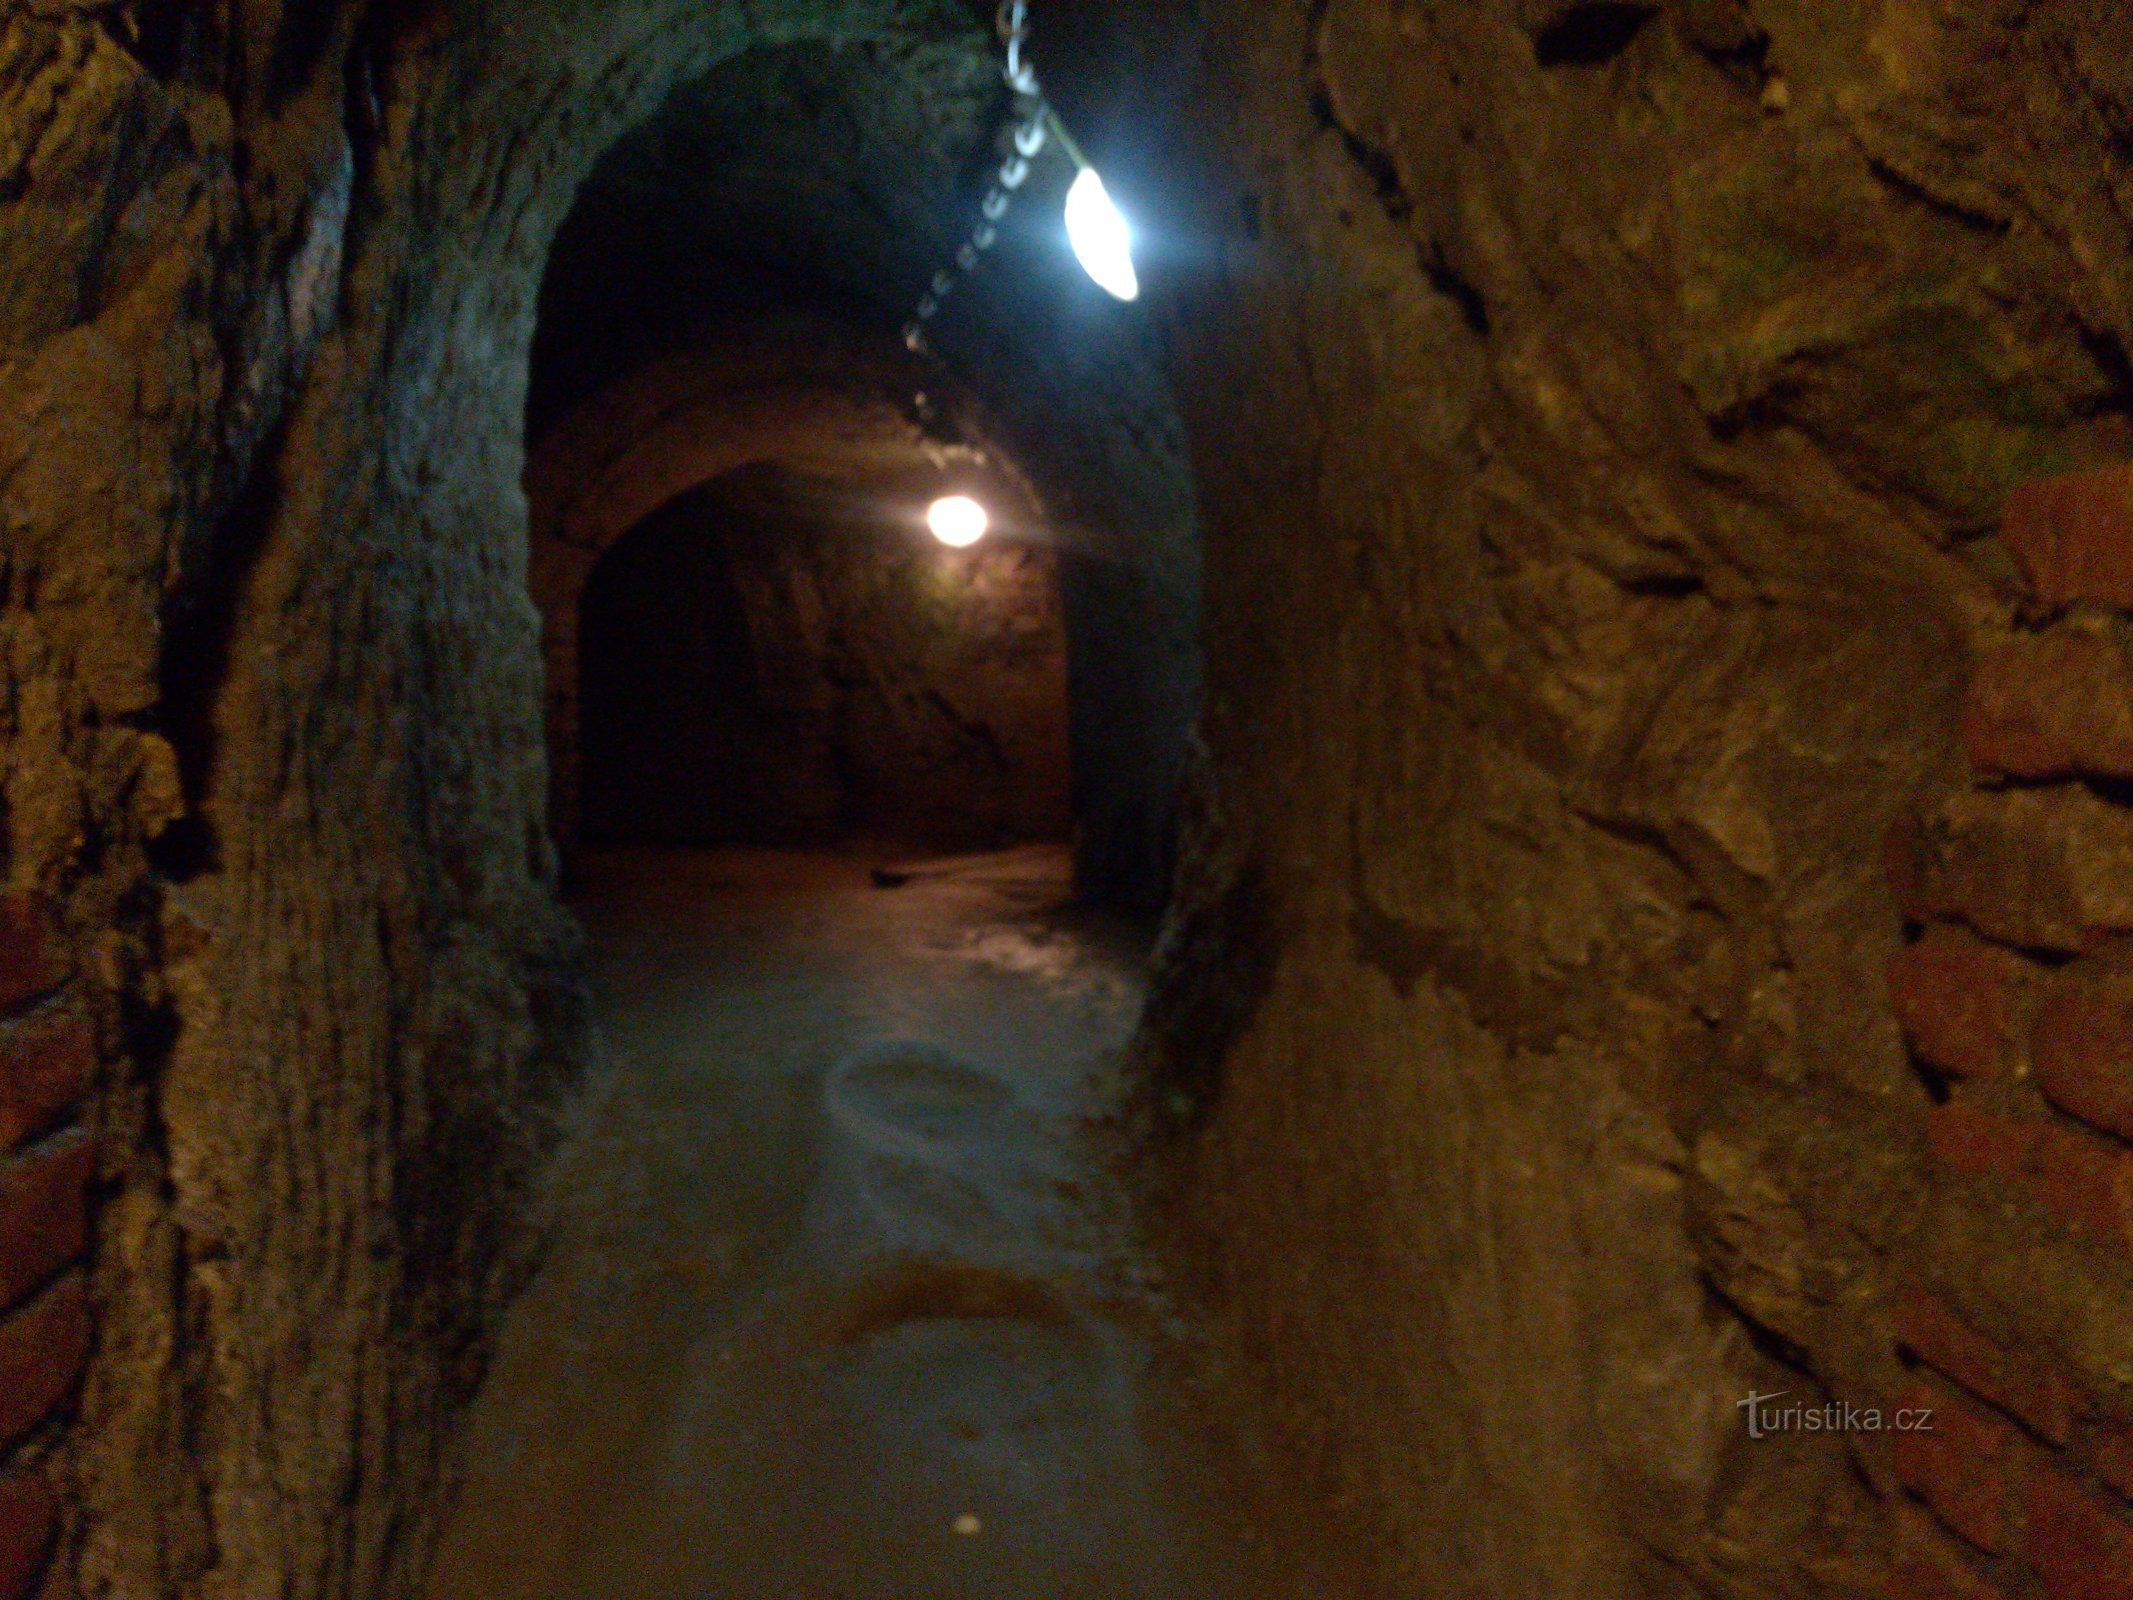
x: 2016, y: 995
x: 46, y: 1164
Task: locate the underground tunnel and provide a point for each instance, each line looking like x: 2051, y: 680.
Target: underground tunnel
x: 746, y: 676
x: 1480, y: 944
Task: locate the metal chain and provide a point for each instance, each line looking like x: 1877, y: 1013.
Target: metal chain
x: 1032, y: 128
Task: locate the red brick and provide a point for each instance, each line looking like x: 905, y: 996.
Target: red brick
x: 2078, y: 1545
x: 1969, y: 1467
x: 2082, y: 1046
x: 2072, y: 536
x: 2086, y: 1182
x: 2114, y: 1459
x: 1979, y: 1142
x: 46, y: 1064
x: 44, y: 1213
x: 1917, y: 1577
x: 1964, y: 1004
x: 31, y: 960
x: 2079, y: 1178
x: 43, y: 1347
x: 1926, y: 1564
x: 2017, y: 1384
x: 29, y: 1518
x: 2053, y: 705
x: 2047, y: 869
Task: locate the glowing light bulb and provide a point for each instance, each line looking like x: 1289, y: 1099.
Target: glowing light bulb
x: 1102, y: 242
x: 958, y: 520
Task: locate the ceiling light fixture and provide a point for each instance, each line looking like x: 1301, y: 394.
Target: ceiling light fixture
x: 958, y: 521
x: 1103, y: 244
x: 1097, y: 230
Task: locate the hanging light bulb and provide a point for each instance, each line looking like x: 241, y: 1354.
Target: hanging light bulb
x: 1100, y: 235
x: 958, y: 521
x: 1102, y: 241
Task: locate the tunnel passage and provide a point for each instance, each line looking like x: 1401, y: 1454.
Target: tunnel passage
x: 1644, y: 467
x: 776, y: 661
x: 726, y: 292
x: 280, y: 869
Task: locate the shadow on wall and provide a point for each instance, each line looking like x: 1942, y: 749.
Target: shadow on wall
x: 764, y: 665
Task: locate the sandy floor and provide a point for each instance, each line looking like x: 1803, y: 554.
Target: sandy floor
x: 840, y: 1306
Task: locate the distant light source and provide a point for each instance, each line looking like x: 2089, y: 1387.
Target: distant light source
x: 958, y: 520
x: 1102, y: 242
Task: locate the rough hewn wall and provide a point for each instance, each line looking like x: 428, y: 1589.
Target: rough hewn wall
x: 789, y: 661
x: 270, y: 732
x: 1606, y: 412
x: 47, y: 1056
x: 1594, y: 581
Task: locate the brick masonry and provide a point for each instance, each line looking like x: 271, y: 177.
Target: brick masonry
x: 30, y: 963
x: 2030, y: 1390
x: 2081, y: 1046
x: 1965, y: 1005
x: 1970, y: 1468
x: 2053, y: 705
x: 46, y: 1064
x: 2014, y: 992
x: 47, y: 1168
x: 2072, y: 536
x: 29, y: 1518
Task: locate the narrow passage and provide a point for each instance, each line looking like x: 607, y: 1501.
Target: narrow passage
x: 841, y: 1303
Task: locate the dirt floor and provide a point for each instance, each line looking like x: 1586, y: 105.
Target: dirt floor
x: 842, y: 1305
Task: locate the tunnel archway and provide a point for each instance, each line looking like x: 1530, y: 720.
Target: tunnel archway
x: 825, y: 426
x: 724, y: 292
x: 717, y: 372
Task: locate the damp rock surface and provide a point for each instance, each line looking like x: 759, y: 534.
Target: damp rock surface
x: 1601, y: 416
x: 842, y: 1298
x: 1593, y: 580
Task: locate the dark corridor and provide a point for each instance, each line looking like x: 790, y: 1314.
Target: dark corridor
x: 775, y: 661
x: 1516, y: 840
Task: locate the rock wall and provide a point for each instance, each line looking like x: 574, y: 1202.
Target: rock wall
x: 2012, y: 994
x: 270, y: 751
x: 1605, y: 414
x: 47, y: 1058
x: 1601, y: 573
x: 786, y: 664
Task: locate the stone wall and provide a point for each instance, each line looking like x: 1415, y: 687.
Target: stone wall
x: 270, y: 738
x: 1609, y: 559
x: 47, y: 1162
x: 2013, y: 995
x: 799, y: 663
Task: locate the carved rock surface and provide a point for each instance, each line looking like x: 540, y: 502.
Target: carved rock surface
x: 1602, y: 419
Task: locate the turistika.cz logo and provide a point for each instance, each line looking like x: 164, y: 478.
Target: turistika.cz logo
x: 1767, y: 1417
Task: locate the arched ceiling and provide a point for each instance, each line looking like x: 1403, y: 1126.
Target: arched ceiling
x: 828, y: 181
